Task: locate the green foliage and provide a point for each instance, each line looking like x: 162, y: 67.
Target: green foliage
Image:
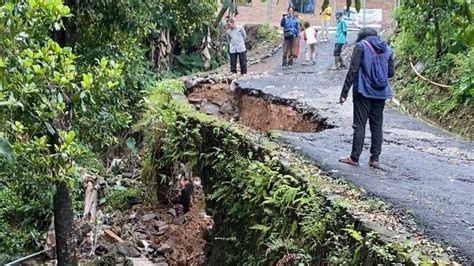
x: 448, y: 57
x: 48, y: 95
x: 118, y: 197
x: 348, y: 4
x: 373, y: 205
x: 267, y: 33
x: 270, y: 214
x: 187, y: 64
x: 38, y: 76
x: 61, y: 107
x: 454, y: 17
x: 6, y: 150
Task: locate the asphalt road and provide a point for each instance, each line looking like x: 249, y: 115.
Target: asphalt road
x: 427, y: 171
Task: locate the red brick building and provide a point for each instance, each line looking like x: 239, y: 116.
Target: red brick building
x: 256, y: 11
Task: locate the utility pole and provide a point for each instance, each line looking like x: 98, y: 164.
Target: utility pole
x: 269, y: 11
x: 334, y: 10
x: 364, y: 21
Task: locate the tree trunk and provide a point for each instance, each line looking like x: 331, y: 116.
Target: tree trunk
x: 325, y: 4
x: 67, y: 36
x: 439, y: 43
x: 220, y: 15
x: 63, y: 225
x: 434, y: 14
x: 63, y: 213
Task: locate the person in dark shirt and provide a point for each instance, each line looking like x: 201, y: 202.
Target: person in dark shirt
x: 368, y: 101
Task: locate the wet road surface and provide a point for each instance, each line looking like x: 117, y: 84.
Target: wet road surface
x: 426, y: 171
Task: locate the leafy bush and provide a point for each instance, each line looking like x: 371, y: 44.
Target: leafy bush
x: 266, y: 213
x: 447, y: 55
x: 65, y: 107
x: 119, y: 197
x: 268, y: 33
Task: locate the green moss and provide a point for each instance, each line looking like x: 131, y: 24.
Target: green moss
x: 120, y: 198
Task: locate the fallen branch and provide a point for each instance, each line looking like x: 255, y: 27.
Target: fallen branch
x: 427, y: 80
x: 25, y: 258
x: 112, y: 236
x: 91, y: 202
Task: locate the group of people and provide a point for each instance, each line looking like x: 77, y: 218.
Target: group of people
x: 371, y: 66
x: 295, y: 29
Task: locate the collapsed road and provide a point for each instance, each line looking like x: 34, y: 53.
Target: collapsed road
x: 426, y: 171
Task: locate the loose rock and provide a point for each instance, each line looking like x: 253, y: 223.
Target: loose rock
x: 180, y: 220
x: 164, y: 248
x: 227, y: 108
x: 163, y: 229
x: 148, y: 217
x: 172, y: 212
x: 159, y: 224
x: 210, y: 108
x: 195, y: 100
x: 161, y: 261
x: 127, y: 249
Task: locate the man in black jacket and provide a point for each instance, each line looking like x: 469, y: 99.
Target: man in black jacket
x: 368, y: 100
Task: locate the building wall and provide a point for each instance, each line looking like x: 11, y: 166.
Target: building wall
x: 271, y: 11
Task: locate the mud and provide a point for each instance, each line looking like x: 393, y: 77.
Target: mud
x: 258, y: 114
x: 253, y: 111
x: 161, y: 235
x: 171, y: 234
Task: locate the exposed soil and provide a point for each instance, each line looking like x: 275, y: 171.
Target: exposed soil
x: 258, y: 114
x: 145, y: 235
x: 165, y: 235
x: 252, y: 111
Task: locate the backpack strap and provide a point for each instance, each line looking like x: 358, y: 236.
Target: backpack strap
x: 370, y: 47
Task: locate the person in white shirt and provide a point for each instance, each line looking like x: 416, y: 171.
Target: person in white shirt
x: 310, y: 35
x: 236, y: 39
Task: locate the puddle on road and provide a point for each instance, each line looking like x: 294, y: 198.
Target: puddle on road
x: 253, y: 111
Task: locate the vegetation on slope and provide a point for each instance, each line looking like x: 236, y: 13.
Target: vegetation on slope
x: 265, y: 212
x: 439, y: 36
x: 72, y: 77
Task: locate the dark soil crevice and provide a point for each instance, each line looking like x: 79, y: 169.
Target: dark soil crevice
x: 254, y: 109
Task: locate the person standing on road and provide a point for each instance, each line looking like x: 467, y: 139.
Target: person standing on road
x: 341, y: 39
x: 291, y: 30
x: 326, y: 15
x: 371, y: 67
x: 236, y: 39
x: 297, y: 40
x: 310, y: 36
